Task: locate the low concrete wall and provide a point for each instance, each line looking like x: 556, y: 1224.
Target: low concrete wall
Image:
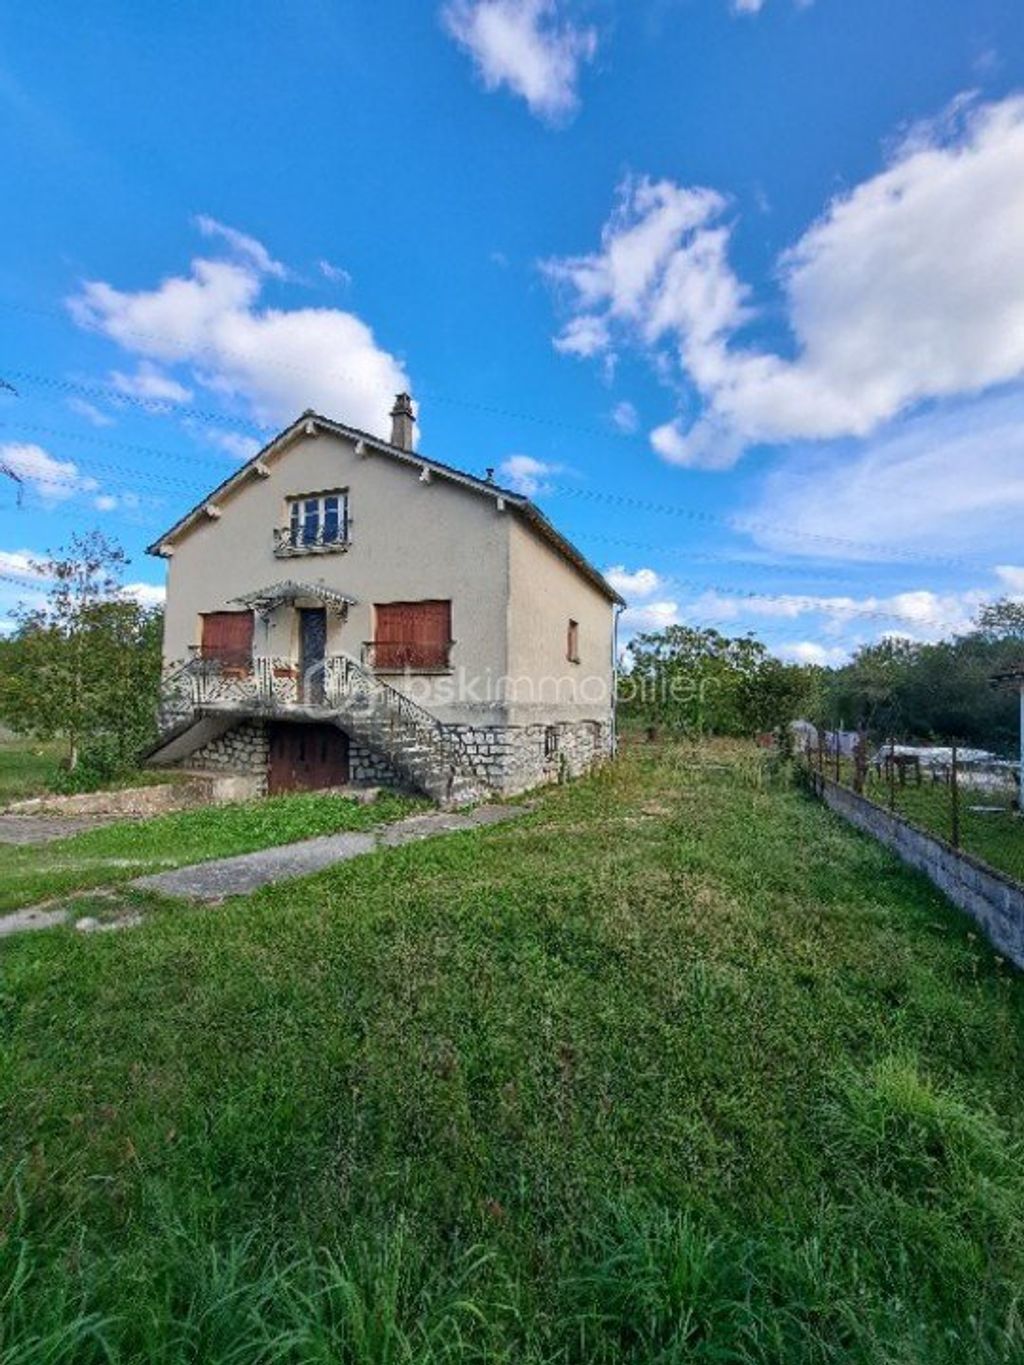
x: 995, y: 902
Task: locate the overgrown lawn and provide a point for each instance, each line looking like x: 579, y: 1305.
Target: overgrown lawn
x: 674, y: 1068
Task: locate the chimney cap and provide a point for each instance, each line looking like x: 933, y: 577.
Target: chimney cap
x: 403, y: 406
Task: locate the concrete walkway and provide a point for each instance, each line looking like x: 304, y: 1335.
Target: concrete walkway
x: 213, y: 881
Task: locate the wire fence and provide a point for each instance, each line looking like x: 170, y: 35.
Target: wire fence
x: 966, y: 796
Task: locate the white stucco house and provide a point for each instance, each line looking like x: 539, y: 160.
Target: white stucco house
x: 343, y: 608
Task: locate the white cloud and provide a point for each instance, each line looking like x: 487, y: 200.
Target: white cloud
x: 945, y: 483
x: 584, y: 337
x: 632, y: 585
x: 252, y: 252
x: 146, y: 594
x: 527, y: 46
x: 52, y: 479
x: 21, y: 564
x: 106, y: 502
x: 150, y: 383
x: 649, y: 616
x: 908, y: 288
x: 233, y: 443
x: 811, y: 652
x: 1011, y: 578
x: 523, y: 474
x: 747, y: 6
x: 335, y: 273
x: 625, y: 417
x: 277, y: 362
x: 90, y: 412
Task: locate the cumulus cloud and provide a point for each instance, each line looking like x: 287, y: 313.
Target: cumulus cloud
x: 909, y: 287
x: 523, y: 474
x: 811, y: 652
x: 634, y: 584
x: 527, y: 46
x: 1011, y: 578
x: 146, y: 594
x: 24, y: 564
x: 274, y: 361
x: 649, y: 616
x: 51, y: 479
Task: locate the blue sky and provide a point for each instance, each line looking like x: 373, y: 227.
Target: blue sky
x: 736, y: 290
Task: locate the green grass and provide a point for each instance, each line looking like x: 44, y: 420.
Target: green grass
x: 116, y: 853
x: 674, y: 1068
x: 27, y: 767
x: 30, y: 767
x: 996, y: 837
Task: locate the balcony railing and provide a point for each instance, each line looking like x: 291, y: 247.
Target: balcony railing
x: 299, y: 540
x: 387, y: 656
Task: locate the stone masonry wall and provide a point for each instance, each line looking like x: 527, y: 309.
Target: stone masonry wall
x: 366, y: 766
x: 243, y: 749
x: 994, y: 901
x: 514, y: 758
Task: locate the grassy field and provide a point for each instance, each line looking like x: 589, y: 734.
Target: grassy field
x: 31, y: 873
x: 674, y: 1068
x: 26, y: 767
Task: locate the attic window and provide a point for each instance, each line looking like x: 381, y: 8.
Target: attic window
x: 316, y: 522
x: 572, y: 642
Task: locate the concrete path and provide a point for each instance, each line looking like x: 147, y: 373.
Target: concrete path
x: 41, y: 829
x: 213, y: 881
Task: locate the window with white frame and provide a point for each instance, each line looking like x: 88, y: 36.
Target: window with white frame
x: 318, y: 520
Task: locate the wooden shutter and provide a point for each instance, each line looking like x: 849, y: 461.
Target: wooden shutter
x: 227, y: 636
x: 412, y: 634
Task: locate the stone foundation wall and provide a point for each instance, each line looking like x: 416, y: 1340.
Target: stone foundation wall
x: 514, y: 758
x: 243, y: 749
x: 367, y: 766
x: 510, y: 758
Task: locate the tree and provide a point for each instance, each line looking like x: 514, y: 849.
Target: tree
x: 703, y: 682
x: 84, y: 665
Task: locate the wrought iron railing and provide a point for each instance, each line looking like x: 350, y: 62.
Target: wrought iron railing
x: 393, y: 656
x: 297, y: 540
x: 340, y: 684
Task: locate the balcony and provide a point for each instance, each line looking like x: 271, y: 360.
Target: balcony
x: 290, y: 541
x: 390, y: 656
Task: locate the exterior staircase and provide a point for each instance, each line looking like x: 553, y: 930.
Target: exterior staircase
x: 203, y: 698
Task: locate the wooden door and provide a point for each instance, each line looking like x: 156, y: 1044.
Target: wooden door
x: 306, y: 758
x: 412, y: 635
x: 312, y: 652
x: 227, y: 637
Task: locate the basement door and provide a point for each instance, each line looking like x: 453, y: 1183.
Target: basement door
x: 306, y: 757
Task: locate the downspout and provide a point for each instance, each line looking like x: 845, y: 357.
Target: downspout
x: 617, y: 610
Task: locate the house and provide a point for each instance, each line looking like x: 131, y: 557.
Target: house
x: 343, y: 608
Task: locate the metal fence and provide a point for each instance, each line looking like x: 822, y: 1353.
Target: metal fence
x: 969, y: 798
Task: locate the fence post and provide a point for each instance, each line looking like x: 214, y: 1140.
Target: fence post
x: 891, y: 765
x: 860, y: 763
x: 954, y: 792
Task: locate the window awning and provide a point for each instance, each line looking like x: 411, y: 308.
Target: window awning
x: 265, y: 600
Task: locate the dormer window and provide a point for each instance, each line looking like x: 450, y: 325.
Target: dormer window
x: 317, y: 522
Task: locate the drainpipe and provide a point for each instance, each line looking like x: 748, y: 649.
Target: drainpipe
x: 616, y: 613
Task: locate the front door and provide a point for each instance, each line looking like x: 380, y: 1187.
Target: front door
x: 312, y: 651
x: 306, y: 758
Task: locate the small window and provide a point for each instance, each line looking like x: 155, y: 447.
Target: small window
x: 572, y: 642
x: 550, y: 741
x: 318, y: 520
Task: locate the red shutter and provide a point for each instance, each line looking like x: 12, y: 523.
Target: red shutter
x: 412, y: 634
x: 227, y: 636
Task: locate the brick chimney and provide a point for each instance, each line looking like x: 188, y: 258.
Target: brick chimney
x: 402, y: 422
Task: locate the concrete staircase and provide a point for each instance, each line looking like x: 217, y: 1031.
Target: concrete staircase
x: 198, y: 707
x: 422, y: 751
